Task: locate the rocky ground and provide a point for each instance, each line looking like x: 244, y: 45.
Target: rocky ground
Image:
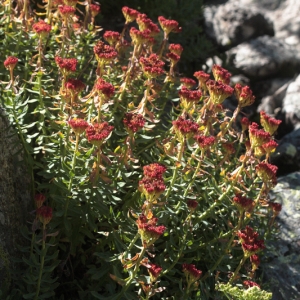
x: 259, y: 42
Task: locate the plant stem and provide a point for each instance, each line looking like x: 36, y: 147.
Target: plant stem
x: 237, y: 269
x: 43, y: 253
x: 72, y: 173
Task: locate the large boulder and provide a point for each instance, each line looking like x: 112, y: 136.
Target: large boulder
x: 264, y: 57
x: 282, y: 268
x: 233, y: 23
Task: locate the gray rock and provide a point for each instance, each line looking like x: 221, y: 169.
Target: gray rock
x: 264, y: 56
x: 282, y: 268
x: 291, y: 103
x: 233, y: 23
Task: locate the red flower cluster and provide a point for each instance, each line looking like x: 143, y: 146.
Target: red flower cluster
x: 189, y: 97
x: 154, y: 170
x: 152, y: 184
x: 145, y: 23
x: 104, y: 88
x: 255, y: 261
x: 168, y: 25
x: 267, y: 173
x: 188, y: 82
x: 243, y: 203
x: 244, y: 95
x: 139, y: 37
x: 269, y: 124
x: 98, y: 132
x: 39, y: 199
x: 204, y: 142
x: 44, y: 213
x: 245, y: 123
x: 129, y: 14
x: 218, y: 91
x: 221, y: 74
x: 152, y: 66
x: 78, y: 125
x: 42, y: 28
x: 176, y: 48
x: 276, y: 207
x: 95, y: 10
x: 257, y: 136
x: 270, y: 147
x: 154, y: 271
x: 229, y: 148
x: 185, y: 127
x: 249, y: 284
x: 192, y: 204
x: 74, y: 85
x: 202, y: 78
x: 191, y: 272
x: 66, y: 11
x: 66, y: 65
x: 133, y: 122
x: 112, y: 37
x: 104, y: 53
x: 148, y: 229
x: 173, y: 57
x: 249, y: 241
x: 11, y: 62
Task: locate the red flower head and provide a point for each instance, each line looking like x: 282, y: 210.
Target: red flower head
x: 145, y: 23
x: 152, y: 66
x: 204, y: 142
x: 104, y: 53
x: 191, y: 272
x: 41, y: 28
x: 255, y: 261
x: 188, y: 82
x: 74, y: 85
x: 133, y: 122
x: 249, y: 284
x: 95, y: 10
x: 39, y: 199
x: 192, y: 205
x: 276, y: 207
x: 176, y: 48
x: 269, y: 124
x: 189, y: 97
x: 129, y: 14
x: 270, y: 147
x: 98, y: 132
x: 267, y: 173
x: 148, y: 230
x: 229, y: 148
x: 243, y: 203
x: 244, y: 95
x: 112, y: 37
x: 139, y: 37
x: 104, y: 88
x: 66, y: 65
x: 154, y: 170
x: 10, y: 62
x: 169, y: 25
x: 245, y: 123
x: 154, y: 271
x: 44, y: 213
x: 218, y: 91
x: 152, y: 188
x: 173, y: 57
x: 257, y: 136
x: 249, y: 241
x: 66, y: 11
x: 185, y: 128
x: 220, y: 74
x: 202, y: 79
x: 78, y: 125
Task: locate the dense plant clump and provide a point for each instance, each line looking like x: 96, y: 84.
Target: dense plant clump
x: 143, y: 184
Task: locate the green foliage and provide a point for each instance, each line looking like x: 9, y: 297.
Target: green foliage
x: 113, y: 201
x: 253, y: 293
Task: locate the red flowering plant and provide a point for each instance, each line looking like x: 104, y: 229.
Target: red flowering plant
x: 142, y: 184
